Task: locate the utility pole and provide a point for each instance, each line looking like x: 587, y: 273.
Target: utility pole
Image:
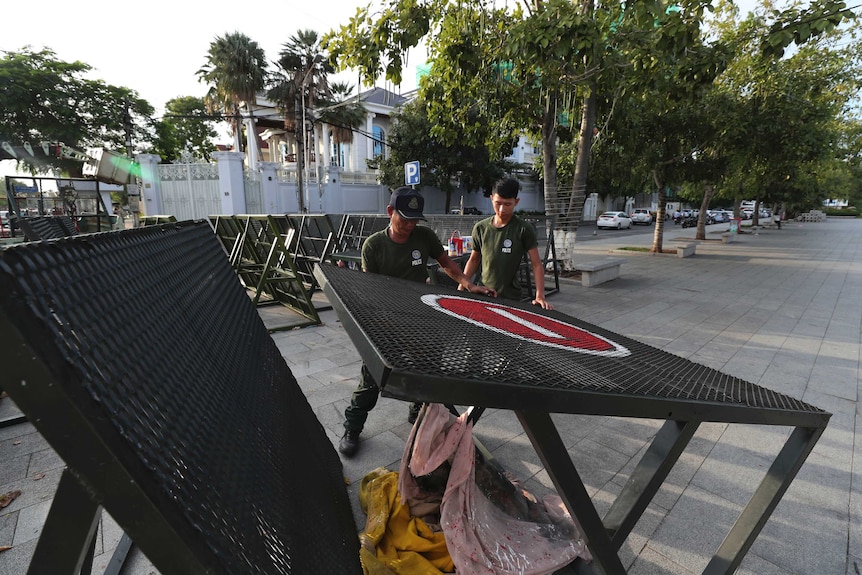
x: 132, y: 189
x: 300, y: 150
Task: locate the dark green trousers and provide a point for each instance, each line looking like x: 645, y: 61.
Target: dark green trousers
x: 363, y: 400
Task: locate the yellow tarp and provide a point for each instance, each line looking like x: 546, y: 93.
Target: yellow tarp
x: 394, y: 542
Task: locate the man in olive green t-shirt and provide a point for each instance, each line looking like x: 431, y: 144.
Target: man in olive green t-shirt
x: 499, y: 245
x: 400, y: 251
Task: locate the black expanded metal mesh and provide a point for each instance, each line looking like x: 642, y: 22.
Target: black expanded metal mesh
x: 182, y: 379
x: 505, y: 342
x: 47, y: 227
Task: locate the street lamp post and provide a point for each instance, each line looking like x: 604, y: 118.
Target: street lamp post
x: 301, y: 160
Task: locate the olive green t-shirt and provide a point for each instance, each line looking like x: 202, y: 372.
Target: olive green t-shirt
x: 502, y: 250
x: 380, y: 255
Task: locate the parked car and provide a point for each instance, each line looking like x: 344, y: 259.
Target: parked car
x: 717, y: 217
x: 641, y: 216
x: 618, y: 220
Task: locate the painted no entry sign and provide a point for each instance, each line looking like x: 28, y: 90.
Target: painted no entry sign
x: 525, y: 325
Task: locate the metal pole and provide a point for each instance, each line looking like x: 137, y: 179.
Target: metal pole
x: 127, y: 121
x: 299, y: 152
x: 305, y: 149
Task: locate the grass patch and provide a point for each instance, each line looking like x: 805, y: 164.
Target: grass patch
x: 644, y: 250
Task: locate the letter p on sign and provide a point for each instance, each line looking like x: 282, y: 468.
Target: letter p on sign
x: 411, y: 173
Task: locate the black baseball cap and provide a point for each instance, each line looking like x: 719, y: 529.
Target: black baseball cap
x: 408, y: 203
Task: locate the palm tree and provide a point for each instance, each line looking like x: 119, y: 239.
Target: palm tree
x: 342, y: 112
x: 300, y: 81
x: 236, y: 71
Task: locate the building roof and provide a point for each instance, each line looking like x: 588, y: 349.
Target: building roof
x: 382, y: 97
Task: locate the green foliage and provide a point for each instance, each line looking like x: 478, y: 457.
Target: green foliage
x: 235, y: 70
x: 849, y: 212
x: 184, y: 127
x: 342, y: 112
x: 443, y: 165
x: 301, y: 78
x: 795, y: 26
x: 783, y: 130
x: 43, y: 99
x: 376, y: 44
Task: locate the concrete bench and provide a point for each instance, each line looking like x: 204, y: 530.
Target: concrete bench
x: 600, y: 271
x: 728, y: 237
x: 685, y: 250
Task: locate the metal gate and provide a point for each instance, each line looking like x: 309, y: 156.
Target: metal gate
x: 189, y: 191
x: 253, y: 194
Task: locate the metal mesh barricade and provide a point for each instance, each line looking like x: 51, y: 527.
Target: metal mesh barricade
x: 432, y: 344
x: 47, y: 227
x: 142, y: 361
x: 513, y: 356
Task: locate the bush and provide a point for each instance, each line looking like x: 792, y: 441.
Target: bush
x: 849, y: 212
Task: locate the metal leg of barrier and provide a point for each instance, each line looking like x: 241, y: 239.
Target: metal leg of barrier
x: 647, y: 478
x: 12, y: 420
x: 548, y: 445
x: 118, y: 559
x: 764, y: 501
x: 67, y: 541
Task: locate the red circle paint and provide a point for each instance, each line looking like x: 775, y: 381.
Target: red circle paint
x: 525, y: 325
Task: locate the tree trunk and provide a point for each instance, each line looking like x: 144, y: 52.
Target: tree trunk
x: 564, y: 236
x: 582, y: 163
x: 237, y: 130
x: 658, y: 233
x: 708, y: 192
x: 549, y: 157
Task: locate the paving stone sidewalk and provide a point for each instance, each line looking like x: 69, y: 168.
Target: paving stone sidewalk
x: 780, y: 308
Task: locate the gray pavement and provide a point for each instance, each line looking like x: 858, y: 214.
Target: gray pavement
x: 780, y: 308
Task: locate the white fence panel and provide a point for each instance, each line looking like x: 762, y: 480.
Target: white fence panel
x: 190, y: 191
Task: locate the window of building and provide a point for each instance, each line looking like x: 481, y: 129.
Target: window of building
x: 379, y: 136
x: 336, y: 152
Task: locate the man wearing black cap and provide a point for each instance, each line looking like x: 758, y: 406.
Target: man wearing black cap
x: 401, y: 251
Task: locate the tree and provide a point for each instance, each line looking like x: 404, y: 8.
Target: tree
x: 236, y: 70
x: 444, y: 165
x: 342, y: 112
x: 786, y: 122
x: 300, y: 81
x: 518, y: 69
x: 44, y: 99
x: 184, y: 127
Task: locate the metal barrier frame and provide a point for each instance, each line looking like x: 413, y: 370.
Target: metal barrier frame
x: 398, y: 370
x: 257, y: 248
x: 56, y: 371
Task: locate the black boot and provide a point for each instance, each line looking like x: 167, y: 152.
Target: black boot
x: 349, y: 443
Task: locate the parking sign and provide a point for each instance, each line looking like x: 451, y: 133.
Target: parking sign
x: 411, y: 173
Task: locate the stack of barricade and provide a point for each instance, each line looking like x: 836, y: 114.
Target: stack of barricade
x: 811, y: 216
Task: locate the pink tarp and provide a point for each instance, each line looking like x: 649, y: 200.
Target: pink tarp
x: 484, y: 537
